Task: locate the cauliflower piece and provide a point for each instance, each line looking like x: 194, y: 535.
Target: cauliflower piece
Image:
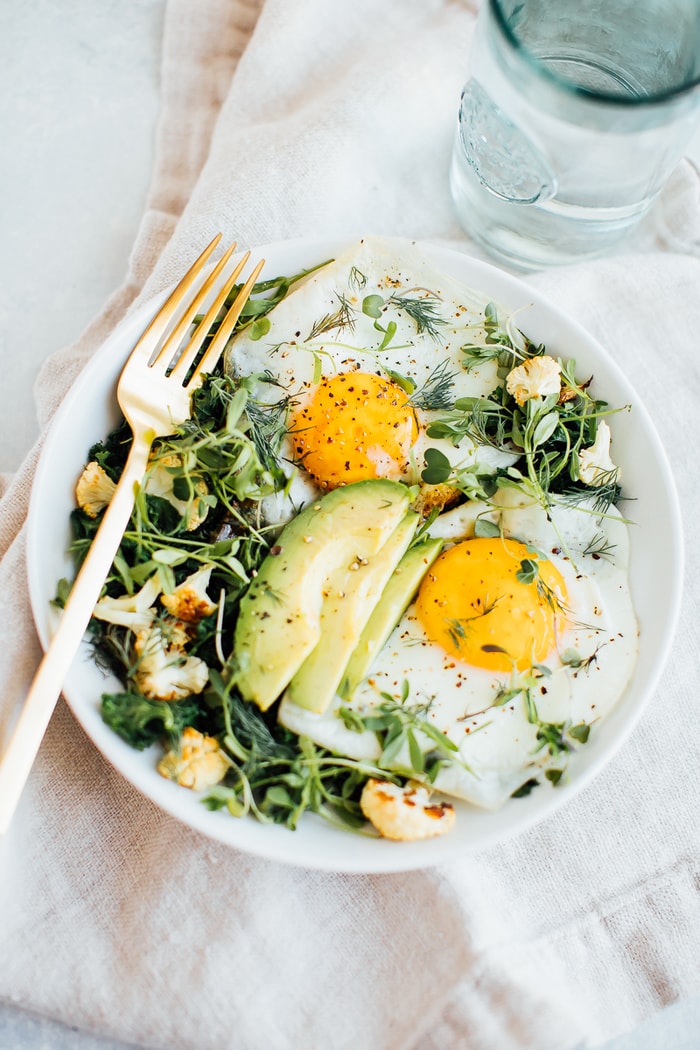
x: 164, y: 671
x: 190, y: 601
x: 536, y: 377
x: 131, y: 610
x: 160, y: 481
x: 595, y: 466
x: 94, y: 489
x: 197, y: 763
x: 406, y: 813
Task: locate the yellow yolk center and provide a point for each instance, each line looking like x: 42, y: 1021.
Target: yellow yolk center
x: 354, y: 426
x: 474, y: 606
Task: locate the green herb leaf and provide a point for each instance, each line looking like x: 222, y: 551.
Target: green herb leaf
x: 580, y: 732
x: 142, y: 722
x: 524, y: 790
x: 528, y: 572
x: 544, y: 429
x: 259, y: 328
x: 405, y: 382
x: 437, y: 467
x: 484, y: 528
x: 372, y: 306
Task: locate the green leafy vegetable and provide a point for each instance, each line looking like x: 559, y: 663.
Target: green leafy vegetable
x: 142, y: 722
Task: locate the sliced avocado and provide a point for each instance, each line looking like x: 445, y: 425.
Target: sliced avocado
x: 279, y: 621
x: 352, y: 593
x: 396, y: 597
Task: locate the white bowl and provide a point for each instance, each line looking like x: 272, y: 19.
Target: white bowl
x: 89, y: 412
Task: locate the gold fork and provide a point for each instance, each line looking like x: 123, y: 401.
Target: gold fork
x: 154, y: 400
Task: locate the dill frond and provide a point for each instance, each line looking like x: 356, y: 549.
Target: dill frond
x: 423, y: 312
x: 434, y: 395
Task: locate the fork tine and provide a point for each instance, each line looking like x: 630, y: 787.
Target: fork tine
x: 189, y: 352
x: 170, y: 345
x: 215, y: 348
x: 160, y: 322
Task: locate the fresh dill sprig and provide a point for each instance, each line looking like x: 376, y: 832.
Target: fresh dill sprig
x: 344, y: 317
x: 423, y: 311
x: 572, y: 658
x: 483, y: 420
x: 357, y: 279
x: 267, y: 430
x: 435, y: 393
x: 599, y: 547
x: 598, y: 498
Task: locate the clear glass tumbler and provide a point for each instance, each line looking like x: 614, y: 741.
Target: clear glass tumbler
x: 575, y: 114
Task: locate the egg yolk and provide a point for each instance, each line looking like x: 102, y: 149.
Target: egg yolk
x: 475, y: 607
x: 354, y: 426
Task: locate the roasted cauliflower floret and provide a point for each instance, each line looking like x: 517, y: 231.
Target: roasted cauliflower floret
x: 535, y: 377
x: 595, y: 467
x: 198, y: 762
x: 406, y: 813
x: 164, y: 671
x: 131, y: 610
x: 94, y: 489
x: 160, y: 481
x: 190, y: 601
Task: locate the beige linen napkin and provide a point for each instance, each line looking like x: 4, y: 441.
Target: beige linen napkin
x: 309, y: 118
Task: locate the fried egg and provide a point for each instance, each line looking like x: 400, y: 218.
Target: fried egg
x: 359, y: 358
x: 479, y: 647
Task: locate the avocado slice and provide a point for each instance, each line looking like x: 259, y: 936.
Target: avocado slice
x: 351, y: 595
x: 396, y: 597
x: 279, y: 621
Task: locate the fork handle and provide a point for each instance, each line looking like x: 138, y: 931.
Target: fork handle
x: 45, y: 689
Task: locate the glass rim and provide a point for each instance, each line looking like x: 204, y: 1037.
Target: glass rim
x: 576, y: 90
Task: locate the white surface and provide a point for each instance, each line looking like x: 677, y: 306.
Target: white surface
x: 78, y: 104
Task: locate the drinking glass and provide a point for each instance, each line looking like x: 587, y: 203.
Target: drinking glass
x: 575, y: 114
